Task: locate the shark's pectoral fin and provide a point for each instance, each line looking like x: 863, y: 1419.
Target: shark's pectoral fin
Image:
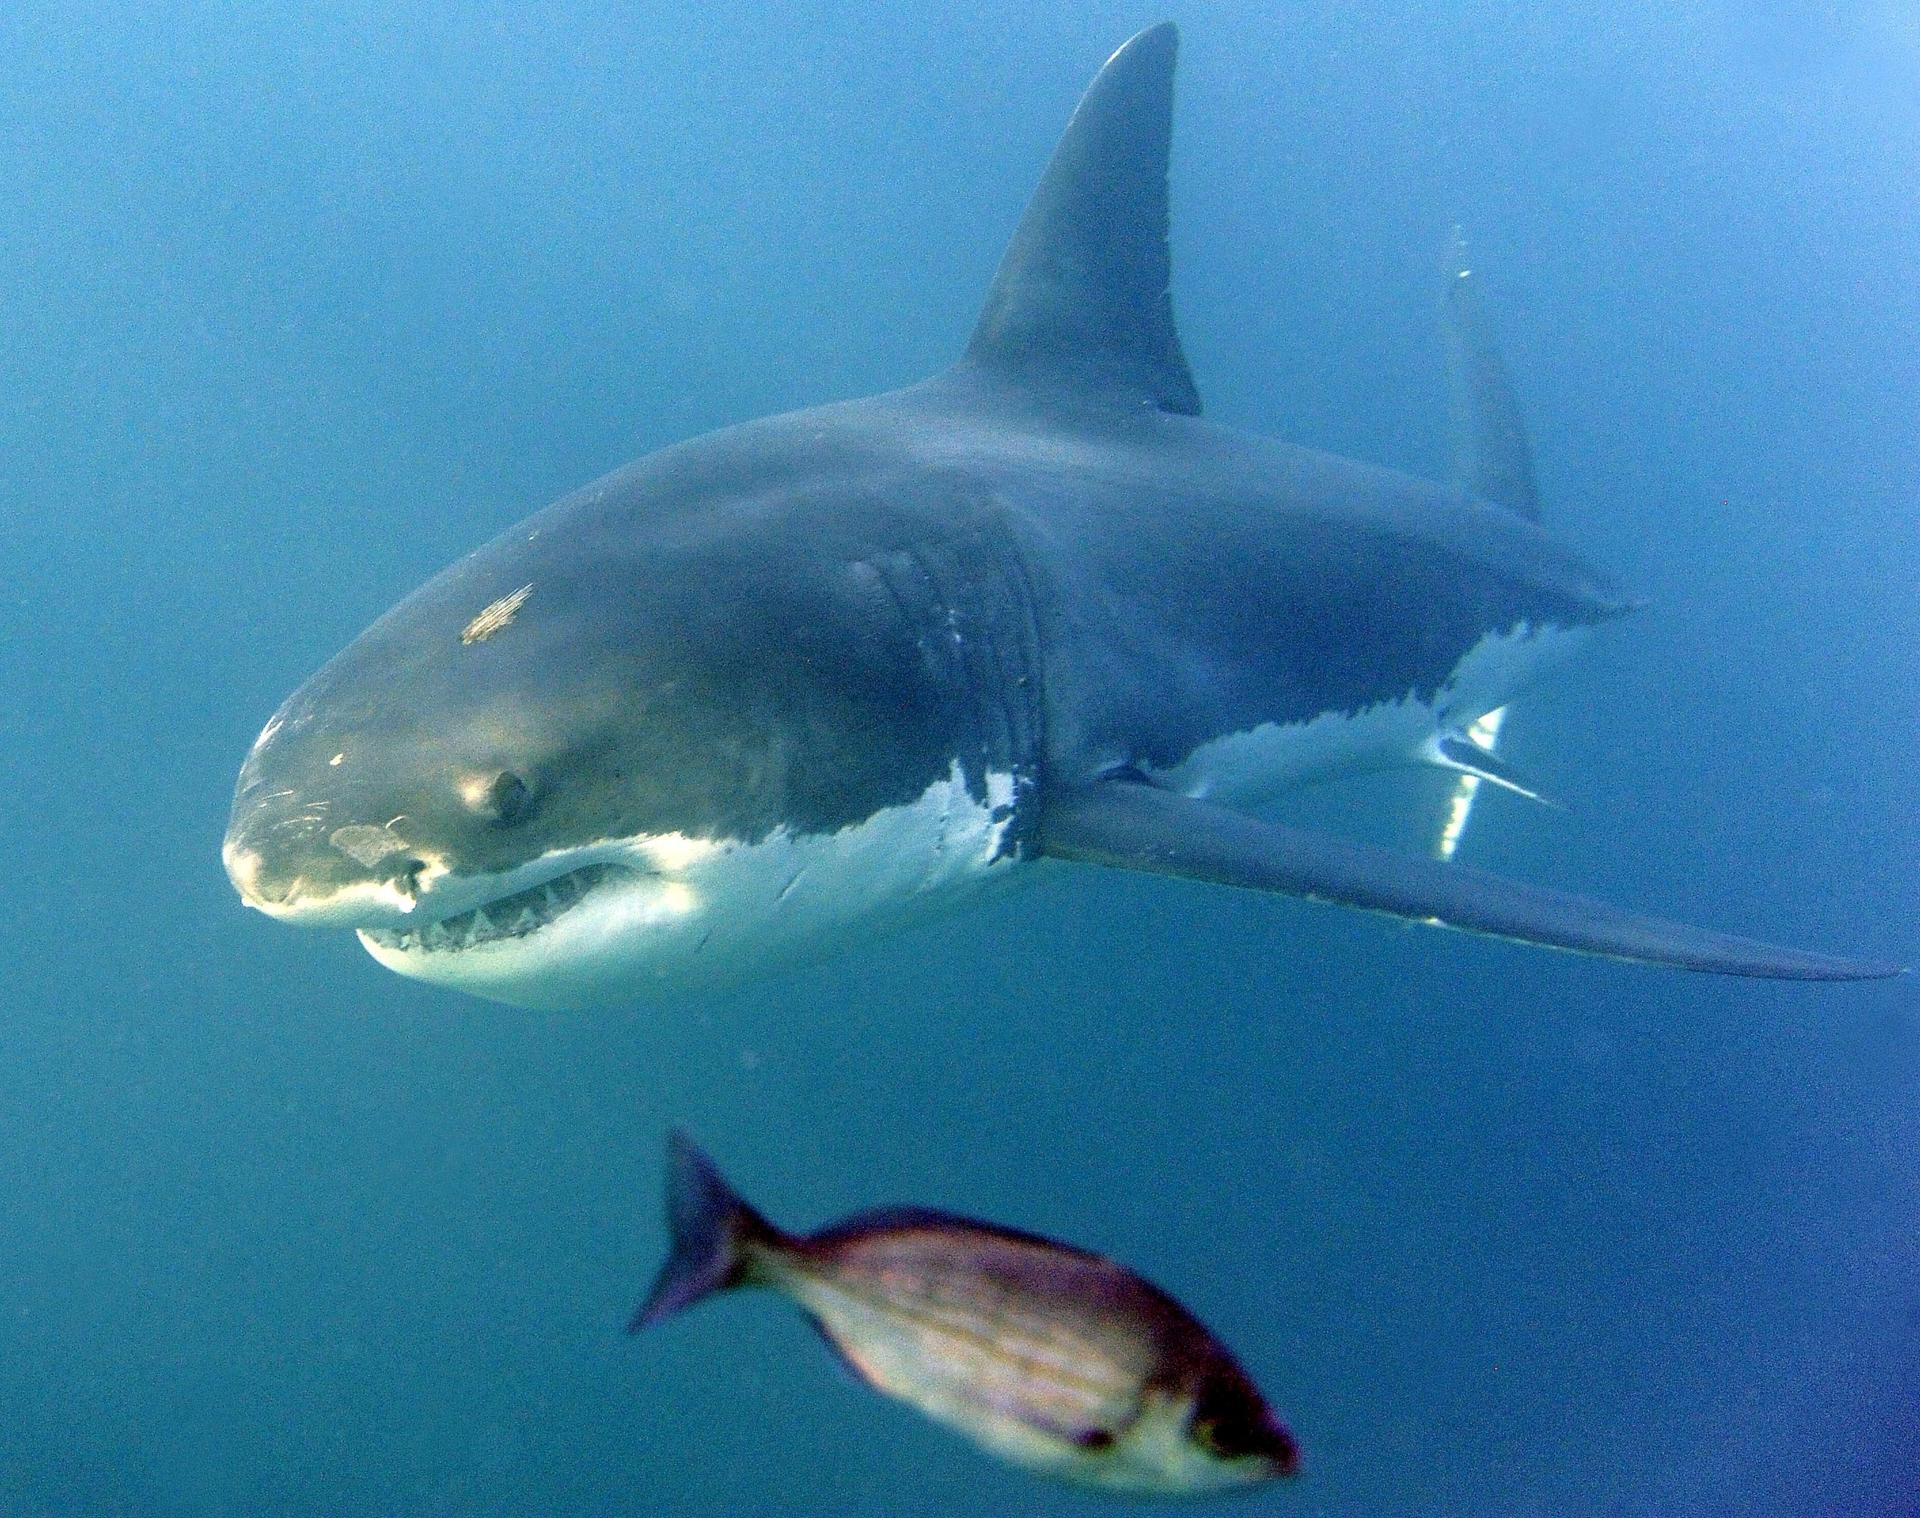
x: 1128, y: 825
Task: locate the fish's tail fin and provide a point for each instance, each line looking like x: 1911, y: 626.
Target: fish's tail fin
x: 715, y: 1235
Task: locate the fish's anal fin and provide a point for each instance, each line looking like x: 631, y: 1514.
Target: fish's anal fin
x: 1138, y: 827
x: 848, y: 1366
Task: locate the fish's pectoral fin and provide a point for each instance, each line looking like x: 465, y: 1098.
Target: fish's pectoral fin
x: 1459, y: 753
x: 1127, y: 825
x: 1084, y: 1430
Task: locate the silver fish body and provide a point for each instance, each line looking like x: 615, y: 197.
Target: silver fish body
x: 1055, y: 1359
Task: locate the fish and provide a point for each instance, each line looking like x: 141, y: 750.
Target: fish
x: 1055, y: 1359
x: 766, y: 694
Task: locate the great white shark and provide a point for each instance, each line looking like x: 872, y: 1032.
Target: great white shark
x: 763, y: 693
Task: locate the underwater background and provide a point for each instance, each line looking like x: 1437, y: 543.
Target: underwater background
x: 298, y: 303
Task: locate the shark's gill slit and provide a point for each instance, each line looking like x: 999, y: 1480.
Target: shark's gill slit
x: 512, y: 916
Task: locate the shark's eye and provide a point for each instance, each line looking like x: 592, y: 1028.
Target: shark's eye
x: 501, y: 799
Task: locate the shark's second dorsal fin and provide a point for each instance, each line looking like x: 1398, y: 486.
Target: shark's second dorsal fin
x: 1492, y: 458
x: 1081, y: 300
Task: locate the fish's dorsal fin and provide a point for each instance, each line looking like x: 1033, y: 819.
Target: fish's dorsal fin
x: 1491, y: 456
x: 908, y: 1219
x: 1081, y: 300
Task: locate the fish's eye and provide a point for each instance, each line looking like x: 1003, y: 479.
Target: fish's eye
x: 501, y: 798
x: 1229, y: 1422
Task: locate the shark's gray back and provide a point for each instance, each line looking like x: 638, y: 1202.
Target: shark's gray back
x: 1188, y: 581
x: 1193, y: 581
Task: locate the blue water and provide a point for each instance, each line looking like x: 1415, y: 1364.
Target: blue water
x: 298, y: 303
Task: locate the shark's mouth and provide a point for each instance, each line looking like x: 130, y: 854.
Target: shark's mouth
x: 516, y: 916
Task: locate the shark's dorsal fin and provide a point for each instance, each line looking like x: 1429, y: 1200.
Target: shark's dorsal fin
x: 1081, y: 299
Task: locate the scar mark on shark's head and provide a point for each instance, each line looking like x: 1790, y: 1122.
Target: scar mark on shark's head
x: 366, y: 845
x: 495, y: 616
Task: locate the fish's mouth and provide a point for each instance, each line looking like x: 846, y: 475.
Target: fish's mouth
x: 519, y: 915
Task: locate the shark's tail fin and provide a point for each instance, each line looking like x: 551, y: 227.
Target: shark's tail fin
x: 1081, y: 300
x: 716, y: 1236
x: 1491, y: 459
x: 1483, y: 733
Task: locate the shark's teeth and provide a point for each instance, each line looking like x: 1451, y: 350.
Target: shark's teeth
x: 512, y: 916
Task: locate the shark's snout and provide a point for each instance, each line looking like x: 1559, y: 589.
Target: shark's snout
x: 288, y: 864
x: 243, y: 867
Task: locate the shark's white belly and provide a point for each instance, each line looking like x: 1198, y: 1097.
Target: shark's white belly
x: 1261, y: 762
x: 670, y: 911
